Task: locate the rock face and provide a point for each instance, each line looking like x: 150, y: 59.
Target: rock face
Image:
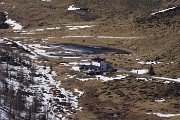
x: 2, y: 20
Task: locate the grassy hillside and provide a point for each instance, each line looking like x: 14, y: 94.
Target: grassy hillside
x: 112, y: 18
x: 35, y: 13
x: 121, y: 24
x: 121, y: 8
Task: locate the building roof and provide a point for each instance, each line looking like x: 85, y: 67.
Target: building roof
x: 91, y: 67
x: 98, y: 59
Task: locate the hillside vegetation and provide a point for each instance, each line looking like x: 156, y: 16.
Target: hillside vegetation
x: 160, y: 33
x: 44, y: 46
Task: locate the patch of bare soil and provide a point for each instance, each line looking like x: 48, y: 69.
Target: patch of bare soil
x: 128, y: 100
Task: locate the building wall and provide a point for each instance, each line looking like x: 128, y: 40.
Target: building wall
x: 93, y: 70
x: 104, y: 66
x: 96, y: 63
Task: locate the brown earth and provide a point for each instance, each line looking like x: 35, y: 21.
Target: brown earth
x: 127, y: 99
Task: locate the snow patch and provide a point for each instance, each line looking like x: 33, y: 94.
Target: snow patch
x: 77, y: 36
x: 161, y: 11
x: 110, y: 37
x: 149, y: 62
x: 2, y: 40
x: 82, y: 62
x: 164, y: 115
x: 71, y: 57
x: 160, y: 100
x: 46, y: 0
x: 144, y: 79
x: 105, y: 78
x: 76, y: 68
x: 53, y: 28
x: 143, y: 71
x: 168, y: 79
x: 79, y: 92
x: 78, y: 27
x: 16, y: 26
x: 73, y: 8
x: 101, y: 37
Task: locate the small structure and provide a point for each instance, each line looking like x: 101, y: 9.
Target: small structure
x: 98, y: 66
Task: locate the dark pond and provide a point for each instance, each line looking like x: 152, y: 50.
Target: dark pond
x: 90, y: 50
x: 65, y: 55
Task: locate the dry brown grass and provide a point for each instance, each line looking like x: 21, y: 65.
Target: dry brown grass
x: 100, y: 100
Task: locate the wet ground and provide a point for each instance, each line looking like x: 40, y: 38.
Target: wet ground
x: 81, y: 50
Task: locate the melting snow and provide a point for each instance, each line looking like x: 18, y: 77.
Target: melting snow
x: 160, y: 100
x: 39, y: 30
x: 73, y: 8
x: 3, y: 114
x: 16, y: 26
x: 23, y: 46
x: 65, y: 64
x: 75, y: 68
x: 56, y: 28
x: 82, y: 62
x: 168, y: 79
x: 71, y: 57
x: 79, y: 92
x: 161, y: 11
x: 164, y: 115
x: 143, y: 71
x: 110, y: 37
x: 78, y: 27
x: 77, y: 36
x: 49, y: 89
x: 101, y: 37
x: 149, y: 62
x: 144, y: 79
x: 46, y: 0
x: 103, y: 78
x: 2, y: 40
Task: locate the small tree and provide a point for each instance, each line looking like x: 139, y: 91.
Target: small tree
x: 151, y: 71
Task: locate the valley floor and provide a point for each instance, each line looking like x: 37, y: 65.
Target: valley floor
x: 146, y: 84
x: 126, y: 94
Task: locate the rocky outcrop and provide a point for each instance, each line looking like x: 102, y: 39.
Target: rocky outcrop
x: 2, y: 20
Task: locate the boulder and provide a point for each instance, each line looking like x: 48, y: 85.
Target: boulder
x: 2, y: 17
x: 2, y: 20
